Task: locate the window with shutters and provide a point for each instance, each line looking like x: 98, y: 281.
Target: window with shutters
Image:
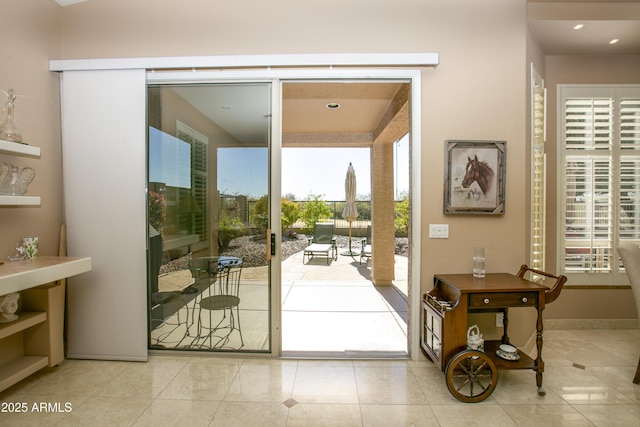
x: 599, y: 168
x: 197, y: 216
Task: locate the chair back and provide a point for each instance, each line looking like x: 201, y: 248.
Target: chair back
x: 368, y: 238
x: 630, y: 255
x: 228, y: 281
x: 552, y: 293
x: 323, y: 233
x: 204, y: 269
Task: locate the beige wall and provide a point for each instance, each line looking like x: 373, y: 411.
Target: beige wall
x: 479, y: 91
x: 476, y: 92
x: 31, y: 36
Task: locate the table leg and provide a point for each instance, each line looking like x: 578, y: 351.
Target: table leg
x: 539, y: 361
x: 505, y: 325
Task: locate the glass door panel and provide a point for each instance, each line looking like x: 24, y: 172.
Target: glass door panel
x: 208, y: 210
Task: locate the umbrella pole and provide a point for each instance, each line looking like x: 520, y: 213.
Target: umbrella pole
x: 350, y: 251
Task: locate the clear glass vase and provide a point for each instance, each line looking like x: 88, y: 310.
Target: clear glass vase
x: 8, y: 129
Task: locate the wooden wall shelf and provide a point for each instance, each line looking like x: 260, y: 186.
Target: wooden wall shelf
x: 35, y: 339
x: 17, y: 149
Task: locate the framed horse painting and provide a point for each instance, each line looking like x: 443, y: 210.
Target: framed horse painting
x: 475, y: 177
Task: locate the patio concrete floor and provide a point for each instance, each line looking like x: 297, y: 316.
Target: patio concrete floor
x: 335, y: 309
x: 329, y: 310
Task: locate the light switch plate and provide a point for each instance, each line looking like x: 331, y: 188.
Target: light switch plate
x: 438, y: 231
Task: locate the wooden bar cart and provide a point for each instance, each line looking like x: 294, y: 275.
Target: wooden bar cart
x: 471, y: 375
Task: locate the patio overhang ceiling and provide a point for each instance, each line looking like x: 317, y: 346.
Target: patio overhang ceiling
x: 366, y: 114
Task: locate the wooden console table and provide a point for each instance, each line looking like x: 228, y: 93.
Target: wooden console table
x: 445, y: 316
x: 35, y: 339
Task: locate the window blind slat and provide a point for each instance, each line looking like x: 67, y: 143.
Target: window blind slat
x: 630, y: 124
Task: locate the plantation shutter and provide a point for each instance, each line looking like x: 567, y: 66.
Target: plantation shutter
x: 198, y: 220
x: 601, y: 179
x: 588, y: 226
x: 629, y: 169
x: 538, y: 225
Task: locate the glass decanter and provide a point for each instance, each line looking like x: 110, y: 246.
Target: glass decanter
x: 8, y: 129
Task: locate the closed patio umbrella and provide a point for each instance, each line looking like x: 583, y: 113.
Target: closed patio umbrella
x: 350, y: 211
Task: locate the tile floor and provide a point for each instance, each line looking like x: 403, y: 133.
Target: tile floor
x: 587, y: 379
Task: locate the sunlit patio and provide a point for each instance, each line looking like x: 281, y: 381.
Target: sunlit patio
x: 333, y: 310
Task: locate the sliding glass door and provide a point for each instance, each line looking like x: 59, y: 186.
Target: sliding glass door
x: 208, y: 210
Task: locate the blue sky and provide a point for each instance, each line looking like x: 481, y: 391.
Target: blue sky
x: 305, y: 171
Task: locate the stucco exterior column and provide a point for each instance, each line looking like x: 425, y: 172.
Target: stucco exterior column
x: 382, y: 215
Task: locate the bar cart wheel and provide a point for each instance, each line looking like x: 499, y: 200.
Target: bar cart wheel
x: 471, y: 376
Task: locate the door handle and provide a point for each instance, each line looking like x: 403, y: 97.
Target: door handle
x: 271, y: 244
x: 268, y: 244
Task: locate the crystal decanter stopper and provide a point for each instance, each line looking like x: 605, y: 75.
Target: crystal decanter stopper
x: 8, y: 129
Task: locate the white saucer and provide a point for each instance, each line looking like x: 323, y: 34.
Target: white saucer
x: 507, y: 356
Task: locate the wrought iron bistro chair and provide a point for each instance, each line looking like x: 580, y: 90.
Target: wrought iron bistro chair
x: 630, y: 255
x: 222, y: 277
x: 323, y: 243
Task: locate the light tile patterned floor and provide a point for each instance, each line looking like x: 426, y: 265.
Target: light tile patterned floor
x: 587, y: 378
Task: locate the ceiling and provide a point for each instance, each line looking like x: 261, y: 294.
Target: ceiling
x: 338, y: 110
x: 551, y: 23
x: 362, y: 105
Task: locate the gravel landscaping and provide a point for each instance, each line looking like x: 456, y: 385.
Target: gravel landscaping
x: 253, y: 251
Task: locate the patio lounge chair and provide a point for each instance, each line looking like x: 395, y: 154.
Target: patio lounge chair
x: 322, y: 243
x: 365, y: 251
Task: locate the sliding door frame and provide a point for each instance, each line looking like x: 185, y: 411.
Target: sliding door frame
x: 268, y: 68
x: 278, y: 77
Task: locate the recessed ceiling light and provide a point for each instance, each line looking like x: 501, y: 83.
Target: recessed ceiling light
x: 614, y: 41
x: 333, y: 106
x: 578, y: 26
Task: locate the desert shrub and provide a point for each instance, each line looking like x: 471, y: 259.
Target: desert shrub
x: 290, y: 212
x: 229, y: 228
x: 401, y: 221
x: 314, y: 210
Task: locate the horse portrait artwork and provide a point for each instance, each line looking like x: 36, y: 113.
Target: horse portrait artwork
x: 479, y: 172
x: 474, y: 177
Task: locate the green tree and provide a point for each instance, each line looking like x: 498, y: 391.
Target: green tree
x: 290, y: 212
x: 314, y: 210
x: 260, y: 213
x: 401, y: 222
